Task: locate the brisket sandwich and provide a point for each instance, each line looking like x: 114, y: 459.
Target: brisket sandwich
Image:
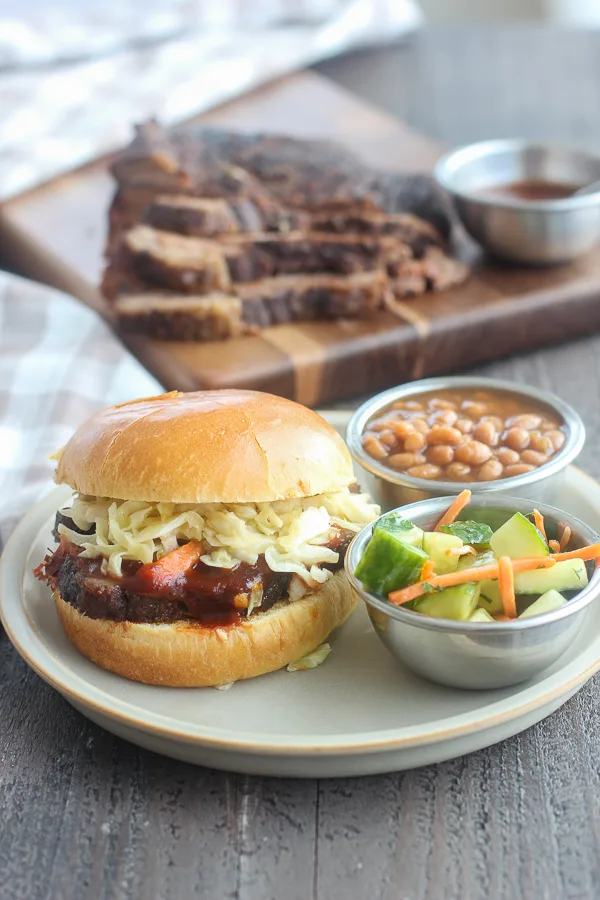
x: 206, y: 538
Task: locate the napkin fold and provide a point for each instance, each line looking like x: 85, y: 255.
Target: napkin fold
x: 59, y: 362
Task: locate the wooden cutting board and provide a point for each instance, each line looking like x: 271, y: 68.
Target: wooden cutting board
x: 56, y: 234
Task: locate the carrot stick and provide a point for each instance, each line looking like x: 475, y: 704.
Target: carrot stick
x: 428, y: 570
x: 565, y: 537
x: 539, y: 523
x: 468, y: 575
x: 160, y: 573
x: 501, y: 618
x: 456, y: 507
x: 506, y: 582
x: 554, y: 546
x: 592, y: 551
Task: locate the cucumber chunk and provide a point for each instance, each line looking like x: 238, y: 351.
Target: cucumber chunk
x: 567, y: 575
x: 401, y: 527
x: 453, y: 603
x: 519, y: 539
x: 389, y: 563
x: 490, y: 599
x: 480, y: 615
x: 546, y: 603
x: 436, y: 546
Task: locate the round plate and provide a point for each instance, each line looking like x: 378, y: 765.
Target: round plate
x: 359, y: 713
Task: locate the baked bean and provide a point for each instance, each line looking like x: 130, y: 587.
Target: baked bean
x: 473, y: 409
x: 490, y: 471
x: 404, y: 460
x: 398, y: 404
x: 403, y: 428
x: 379, y: 425
x: 465, y: 425
x: 413, y: 405
x: 443, y: 417
x: 420, y: 425
x: 541, y: 443
x: 440, y: 454
x: 444, y: 434
x: 424, y: 471
x: 516, y: 438
x: 518, y: 469
x: 507, y: 456
x: 496, y: 421
x: 549, y: 425
x: 374, y: 447
x: 557, y: 438
x: 533, y: 457
x: 527, y: 420
x: 388, y: 438
x: 473, y: 453
x: 415, y: 441
x: 486, y: 433
x: 441, y: 404
x: 458, y: 470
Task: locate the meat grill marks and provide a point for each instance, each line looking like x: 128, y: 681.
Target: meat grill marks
x: 205, y: 222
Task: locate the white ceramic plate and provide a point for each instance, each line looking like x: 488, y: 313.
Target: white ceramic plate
x: 359, y: 713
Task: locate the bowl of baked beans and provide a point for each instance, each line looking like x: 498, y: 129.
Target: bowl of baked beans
x: 438, y: 436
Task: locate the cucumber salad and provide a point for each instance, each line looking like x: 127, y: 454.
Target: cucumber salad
x: 466, y: 571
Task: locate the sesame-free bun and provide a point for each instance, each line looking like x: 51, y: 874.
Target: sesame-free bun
x: 190, y: 655
x: 225, y: 446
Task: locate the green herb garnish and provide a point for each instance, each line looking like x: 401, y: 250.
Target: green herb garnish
x: 475, y: 533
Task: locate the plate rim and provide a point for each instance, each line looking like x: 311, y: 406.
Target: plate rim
x: 12, y: 570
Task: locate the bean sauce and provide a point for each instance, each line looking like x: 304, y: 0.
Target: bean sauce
x: 464, y: 435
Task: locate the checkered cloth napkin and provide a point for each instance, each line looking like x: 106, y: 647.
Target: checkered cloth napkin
x: 58, y: 363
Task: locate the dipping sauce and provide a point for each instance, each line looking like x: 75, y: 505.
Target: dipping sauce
x: 534, y: 190
x: 464, y: 435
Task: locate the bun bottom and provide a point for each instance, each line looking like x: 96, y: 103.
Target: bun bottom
x: 187, y: 655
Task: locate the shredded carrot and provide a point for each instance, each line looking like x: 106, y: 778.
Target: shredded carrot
x: 461, y: 551
x: 500, y: 618
x: 506, y: 583
x: 161, y: 573
x: 428, y: 570
x: 539, y: 523
x: 565, y: 537
x: 592, y: 551
x: 404, y: 595
x: 597, y: 563
x: 554, y: 546
x: 455, y: 508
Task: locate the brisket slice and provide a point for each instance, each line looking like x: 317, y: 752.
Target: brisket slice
x: 272, y: 301
x: 416, y: 233
x: 204, y: 217
x: 210, y: 317
x: 194, y: 265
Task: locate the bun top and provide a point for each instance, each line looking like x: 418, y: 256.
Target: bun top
x: 225, y: 446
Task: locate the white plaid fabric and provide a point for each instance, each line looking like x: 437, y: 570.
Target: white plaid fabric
x: 58, y: 363
x: 75, y: 76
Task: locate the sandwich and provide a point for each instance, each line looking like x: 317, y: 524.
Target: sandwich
x: 206, y: 536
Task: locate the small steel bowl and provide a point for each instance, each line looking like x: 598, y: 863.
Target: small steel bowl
x: 391, y: 488
x: 537, y: 232
x: 476, y: 655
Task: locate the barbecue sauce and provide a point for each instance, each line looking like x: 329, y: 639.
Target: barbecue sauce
x: 533, y: 190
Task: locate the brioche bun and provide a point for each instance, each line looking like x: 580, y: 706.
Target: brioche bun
x: 189, y: 655
x: 225, y: 446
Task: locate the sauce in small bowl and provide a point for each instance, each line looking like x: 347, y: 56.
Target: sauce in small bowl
x: 533, y: 189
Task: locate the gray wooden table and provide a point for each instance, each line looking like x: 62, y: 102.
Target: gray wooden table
x: 86, y: 816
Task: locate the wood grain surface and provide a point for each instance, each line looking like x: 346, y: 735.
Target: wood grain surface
x: 56, y: 234
x: 87, y: 816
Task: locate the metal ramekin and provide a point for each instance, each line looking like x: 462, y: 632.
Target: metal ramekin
x: 476, y: 655
x: 537, y: 232
x: 391, y: 488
